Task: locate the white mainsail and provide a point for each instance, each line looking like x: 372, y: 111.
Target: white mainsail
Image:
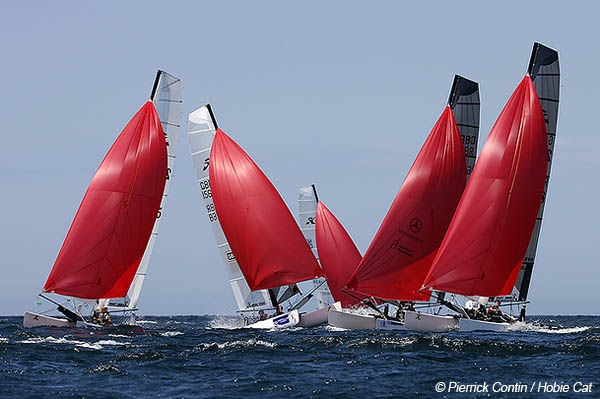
x: 201, y: 132
x: 166, y: 95
x: 307, y: 214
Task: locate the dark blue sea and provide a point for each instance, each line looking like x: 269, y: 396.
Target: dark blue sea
x: 210, y: 357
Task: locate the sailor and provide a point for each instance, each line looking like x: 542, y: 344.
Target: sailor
x: 262, y: 315
x: 279, y: 310
x: 494, y: 310
x: 102, y: 317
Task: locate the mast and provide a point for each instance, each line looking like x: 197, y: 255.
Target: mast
x: 544, y: 71
x: 202, y: 126
x: 166, y: 96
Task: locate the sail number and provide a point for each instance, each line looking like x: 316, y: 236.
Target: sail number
x: 212, y: 214
x: 205, y: 187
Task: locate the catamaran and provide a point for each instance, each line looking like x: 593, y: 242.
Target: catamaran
x: 260, y: 256
x: 489, y: 248
x: 105, y: 257
x: 398, y: 258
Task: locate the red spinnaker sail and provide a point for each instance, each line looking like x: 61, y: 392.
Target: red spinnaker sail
x: 259, y: 227
x: 490, y: 231
x: 337, y: 253
x: 403, y: 249
x: 111, y: 229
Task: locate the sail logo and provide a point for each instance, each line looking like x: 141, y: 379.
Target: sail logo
x: 206, y: 164
x: 415, y: 225
x: 310, y: 220
x: 230, y: 256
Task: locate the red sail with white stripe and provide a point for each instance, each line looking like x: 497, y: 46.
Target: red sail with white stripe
x: 110, y: 232
x: 337, y: 253
x: 485, y: 244
x: 403, y: 249
x: 263, y: 235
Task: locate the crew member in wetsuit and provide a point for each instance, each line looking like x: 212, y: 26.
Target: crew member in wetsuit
x: 494, y: 311
x: 262, y: 315
x: 279, y: 310
x: 102, y: 317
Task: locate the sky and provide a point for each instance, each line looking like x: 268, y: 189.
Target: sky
x: 341, y: 94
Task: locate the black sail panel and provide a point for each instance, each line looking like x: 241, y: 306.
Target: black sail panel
x: 464, y: 102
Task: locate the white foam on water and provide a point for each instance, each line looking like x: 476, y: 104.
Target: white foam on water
x: 226, y: 323
x: 171, y: 333
x: 81, y: 344
x: 144, y: 322
x: 3, y: 339
x: 522, y: 326
x: 332, y: 328
x: 118, y: 336
x: 237, y: 344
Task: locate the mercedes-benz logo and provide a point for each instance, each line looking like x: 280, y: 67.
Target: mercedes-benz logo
x: 415, y: 225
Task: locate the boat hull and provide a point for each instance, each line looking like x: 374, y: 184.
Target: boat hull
x: 350, y: 321
x: 424, y: 322
x: 382, y: 324
x: 31, y: 319
x: 481, y: 325
x: 317, y: 317
x: 285, y: 320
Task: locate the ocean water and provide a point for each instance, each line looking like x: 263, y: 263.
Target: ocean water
x: 212, y: 357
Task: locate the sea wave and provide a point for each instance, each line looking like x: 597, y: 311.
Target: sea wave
x: 236, y: 344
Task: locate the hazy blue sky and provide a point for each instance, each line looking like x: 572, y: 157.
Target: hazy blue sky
x: 341, y: 94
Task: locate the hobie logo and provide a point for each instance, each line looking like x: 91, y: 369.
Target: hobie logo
x: 310, y: 220
x: 230, y: 256
x: 415, y: 225
x: 206, y: 163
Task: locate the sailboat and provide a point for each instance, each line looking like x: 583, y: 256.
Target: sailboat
x: 493, y: 257
x: 260, y: 233
x: 105, y: 255
x: 202, y: 127
x: 396, y: 262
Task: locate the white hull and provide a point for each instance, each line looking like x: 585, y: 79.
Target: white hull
x: 481, y: 325
x: 350, y: 321
x: 424, y: 322
x: 382, y: 324
x: 317, y: 317
x: 38, y: 320
x: 285, y: 320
